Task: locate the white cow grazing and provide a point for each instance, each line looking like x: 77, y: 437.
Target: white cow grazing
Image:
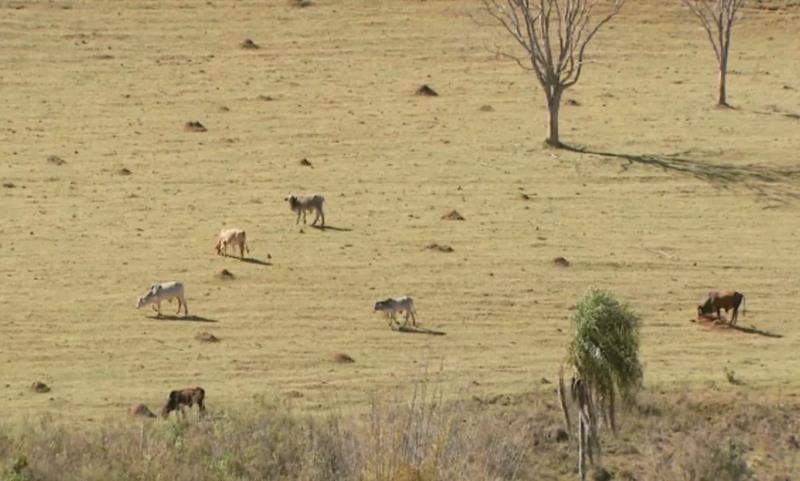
x: 302, y: 204
x: 393, y: 305
x: 164, y: 291
x: 231, y: 237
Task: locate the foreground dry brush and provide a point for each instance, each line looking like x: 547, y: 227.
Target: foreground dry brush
x: 664, y: 437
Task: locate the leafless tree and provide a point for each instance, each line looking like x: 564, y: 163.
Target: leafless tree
x: 554, y: 35
x: 717, y: 18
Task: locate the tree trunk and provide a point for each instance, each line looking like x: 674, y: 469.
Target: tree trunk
x: 553, y: 106
x: 723, y: 89
x: 582, y: 448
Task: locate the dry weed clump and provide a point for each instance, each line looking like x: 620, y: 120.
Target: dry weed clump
x: 416, y: 438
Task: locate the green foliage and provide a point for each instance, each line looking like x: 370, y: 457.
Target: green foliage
x: 604, y: 348
x: 19, y: 470
x: 709, y: 458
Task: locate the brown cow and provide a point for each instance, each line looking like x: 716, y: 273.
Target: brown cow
x: 716, y: 301
x: 185, y: 397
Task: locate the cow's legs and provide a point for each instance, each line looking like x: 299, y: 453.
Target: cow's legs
x: 185, y: 308
x: 241, y: 250
x: 304, y: 217
x: 158, y: 308
x: 179, y: 306
x: 322, y: 214
x: 413, y: 318
x: 735, y: 316
x: 298, y: 218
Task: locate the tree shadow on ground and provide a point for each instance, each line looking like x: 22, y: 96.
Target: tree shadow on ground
x: 778, y: 183
x: 192, y: 318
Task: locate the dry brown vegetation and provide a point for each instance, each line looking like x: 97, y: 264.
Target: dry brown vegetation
x: 660, y: 198
x: 677, y: 437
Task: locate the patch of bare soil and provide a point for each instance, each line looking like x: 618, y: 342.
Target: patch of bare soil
x: 248, y: 44
x: 9, y: 185
x: 194, y: 126
x: 453, y: 215
x: 439, y: 247
x: 40, y: 387
x: 301, y: 3
x: 487, y: 108
x: 207, y: 337
x: 305, y: 163
x: 140, y: 410
x: 342, y: 358
x: 426, y: 91
x: 124, y: 171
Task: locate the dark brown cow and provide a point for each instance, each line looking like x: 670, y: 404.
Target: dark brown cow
x: 185, y: 397
x: 716, y: 301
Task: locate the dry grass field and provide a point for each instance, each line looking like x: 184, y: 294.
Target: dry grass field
x: 676, y: 197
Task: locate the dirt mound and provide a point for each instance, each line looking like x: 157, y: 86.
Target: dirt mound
x: 9, y: 185
x: 342, y: 358
x: 40, y: 387
x: 124, y: 171
x: 194, y: 126
x: 453, y: 215
x: 426, y: 91
x: 225, y: 274
x: 556, y: 434
x: 301, y: 3
x: 487, y: 108
x: 561, y: 261
x: 439, y: 247
x: 306, y: 163
x: 140, y: 410
x: 266, y: 98
x: 525, y: 197
x: 248, y: 44
x: 206, y: 337
x: 55, y: 160
x: 573, y: 103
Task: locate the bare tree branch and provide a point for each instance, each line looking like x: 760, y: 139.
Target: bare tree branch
x: 717, y: 18
x: 554, y: 34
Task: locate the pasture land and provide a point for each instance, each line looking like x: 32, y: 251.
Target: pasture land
x: 676, y: 198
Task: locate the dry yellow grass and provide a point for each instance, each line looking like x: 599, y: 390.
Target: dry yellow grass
x: 111, y: 87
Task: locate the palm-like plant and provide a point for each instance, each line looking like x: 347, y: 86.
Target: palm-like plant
x: 604, y: 356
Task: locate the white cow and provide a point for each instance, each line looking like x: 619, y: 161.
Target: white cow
x: 302, y: 204
x: 393, y: 305
x: 164, y: 291
x: 233, y: 238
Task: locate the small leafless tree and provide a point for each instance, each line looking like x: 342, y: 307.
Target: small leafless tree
x: 717, y: 18
x: 554, y: 35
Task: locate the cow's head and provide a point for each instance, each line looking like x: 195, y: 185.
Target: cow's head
x: 171, y: 404
x: 142, y: 301
x: 218, y: 247
x: 292, y: 200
